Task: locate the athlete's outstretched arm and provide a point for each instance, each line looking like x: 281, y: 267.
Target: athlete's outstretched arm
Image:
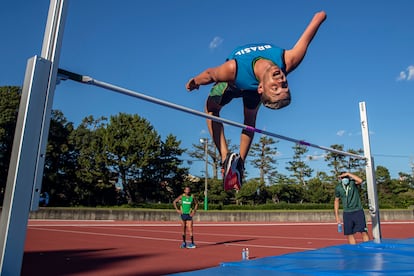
x: 294, y: 56
x: 224, y: 72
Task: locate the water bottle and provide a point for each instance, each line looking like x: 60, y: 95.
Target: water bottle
x: 247, y: 253
x: 339, y: 227
x: 244, y: 254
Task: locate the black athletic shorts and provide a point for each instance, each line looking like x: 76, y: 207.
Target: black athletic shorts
x: 186, y: 217
x: 222, y: 93
x: 354, y: 222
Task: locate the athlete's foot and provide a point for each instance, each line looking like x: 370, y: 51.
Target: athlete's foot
x: 234, y: 173
x: 226, y: 170
x: 225, y: 164
x: 239, y: 171
x: 183, y: 245
x: 191, y: 245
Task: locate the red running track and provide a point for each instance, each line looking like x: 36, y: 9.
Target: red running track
x: 145, y: 248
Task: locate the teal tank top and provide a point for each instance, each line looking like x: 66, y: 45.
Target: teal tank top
x: 246, y: 55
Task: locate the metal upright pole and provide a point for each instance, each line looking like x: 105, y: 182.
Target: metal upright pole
x: 52, y: 44
x: 28, y: 152
x: 206, y: 175
x: 370, y: 174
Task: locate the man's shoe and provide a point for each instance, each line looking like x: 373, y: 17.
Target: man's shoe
x: 226, y: 169
x: 183, y: 245
x: 192, y: 246
x: 239, y: 169
x: 232, y: 177
x: 225, y: 165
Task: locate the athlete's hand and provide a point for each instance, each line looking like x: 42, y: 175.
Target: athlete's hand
x: 179, y: 211
x: 191, y: 85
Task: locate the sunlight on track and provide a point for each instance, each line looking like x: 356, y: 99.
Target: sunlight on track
x: 169, y: 240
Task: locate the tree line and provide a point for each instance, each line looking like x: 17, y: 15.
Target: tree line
x: 123, y: 160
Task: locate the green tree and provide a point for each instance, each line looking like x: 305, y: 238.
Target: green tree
x: 336, y: 161
x: 9, y: 107
x: 300, y: 170
x: 168, y: 171
x: 356, y: 165
x: 384, y: 186
x: 320, y: 189
x: 252, y: 192
x: 132, y: 146
x: 263, y: 154
x: 286, y: 192
x: 216, y: 193
x: 96, y: 183
x: 60, y: 164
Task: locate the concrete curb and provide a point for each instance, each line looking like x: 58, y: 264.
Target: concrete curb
x: 208, y: 216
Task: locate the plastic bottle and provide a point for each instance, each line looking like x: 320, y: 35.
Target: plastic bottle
x: 244, y: 254
x: 247, y: 253
x: 339, y: 227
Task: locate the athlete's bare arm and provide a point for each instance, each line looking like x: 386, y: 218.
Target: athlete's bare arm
x: 225, y: 72
x: 175, y: 203
x: 294, y: 56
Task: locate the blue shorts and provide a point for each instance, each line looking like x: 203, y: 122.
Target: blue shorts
x: 354, y: 222
x: 186, y: 217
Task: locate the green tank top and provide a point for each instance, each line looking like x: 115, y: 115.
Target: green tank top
x: 186, y: 204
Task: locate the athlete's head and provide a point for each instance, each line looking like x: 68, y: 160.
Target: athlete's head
x: 187, y: 190
x: 274, y: 88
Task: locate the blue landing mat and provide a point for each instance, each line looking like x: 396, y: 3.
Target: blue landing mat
x: 390, y: 257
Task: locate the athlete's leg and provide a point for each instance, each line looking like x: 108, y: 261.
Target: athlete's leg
x: 221, y: 94
x: 190, y: 228
x: 216, y: 129
x: 251, y: 104
x: 246, y: 137
x: 184, y: 223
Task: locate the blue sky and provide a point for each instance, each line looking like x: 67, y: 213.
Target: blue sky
x: 363, y: 52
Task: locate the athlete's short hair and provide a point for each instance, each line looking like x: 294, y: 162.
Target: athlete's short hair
x: 281, y: 102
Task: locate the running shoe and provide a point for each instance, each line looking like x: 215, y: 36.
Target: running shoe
x: 234, y: 176
x: 183, y: 245
x: 239, y: 170
x: 225, y: 165
x: 192, y: 246
x: 229, y: 175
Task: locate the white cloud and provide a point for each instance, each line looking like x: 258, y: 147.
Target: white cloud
x: 216, y: 42
x: 341, y: 132
x: 410, y: 70
x: 407, y: 74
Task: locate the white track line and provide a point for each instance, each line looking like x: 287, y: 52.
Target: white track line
x: 227, y: 235
x: 164, y: 239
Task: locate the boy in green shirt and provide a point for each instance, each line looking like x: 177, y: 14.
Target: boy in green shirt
x: 353, y: 213
x: 188, y: 207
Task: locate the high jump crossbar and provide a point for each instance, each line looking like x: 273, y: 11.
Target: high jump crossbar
x: 64, y: 75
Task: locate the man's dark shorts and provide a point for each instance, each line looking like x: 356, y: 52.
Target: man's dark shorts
x: 186, y: 217
x: 354, y: 222
x: 222, y: 93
